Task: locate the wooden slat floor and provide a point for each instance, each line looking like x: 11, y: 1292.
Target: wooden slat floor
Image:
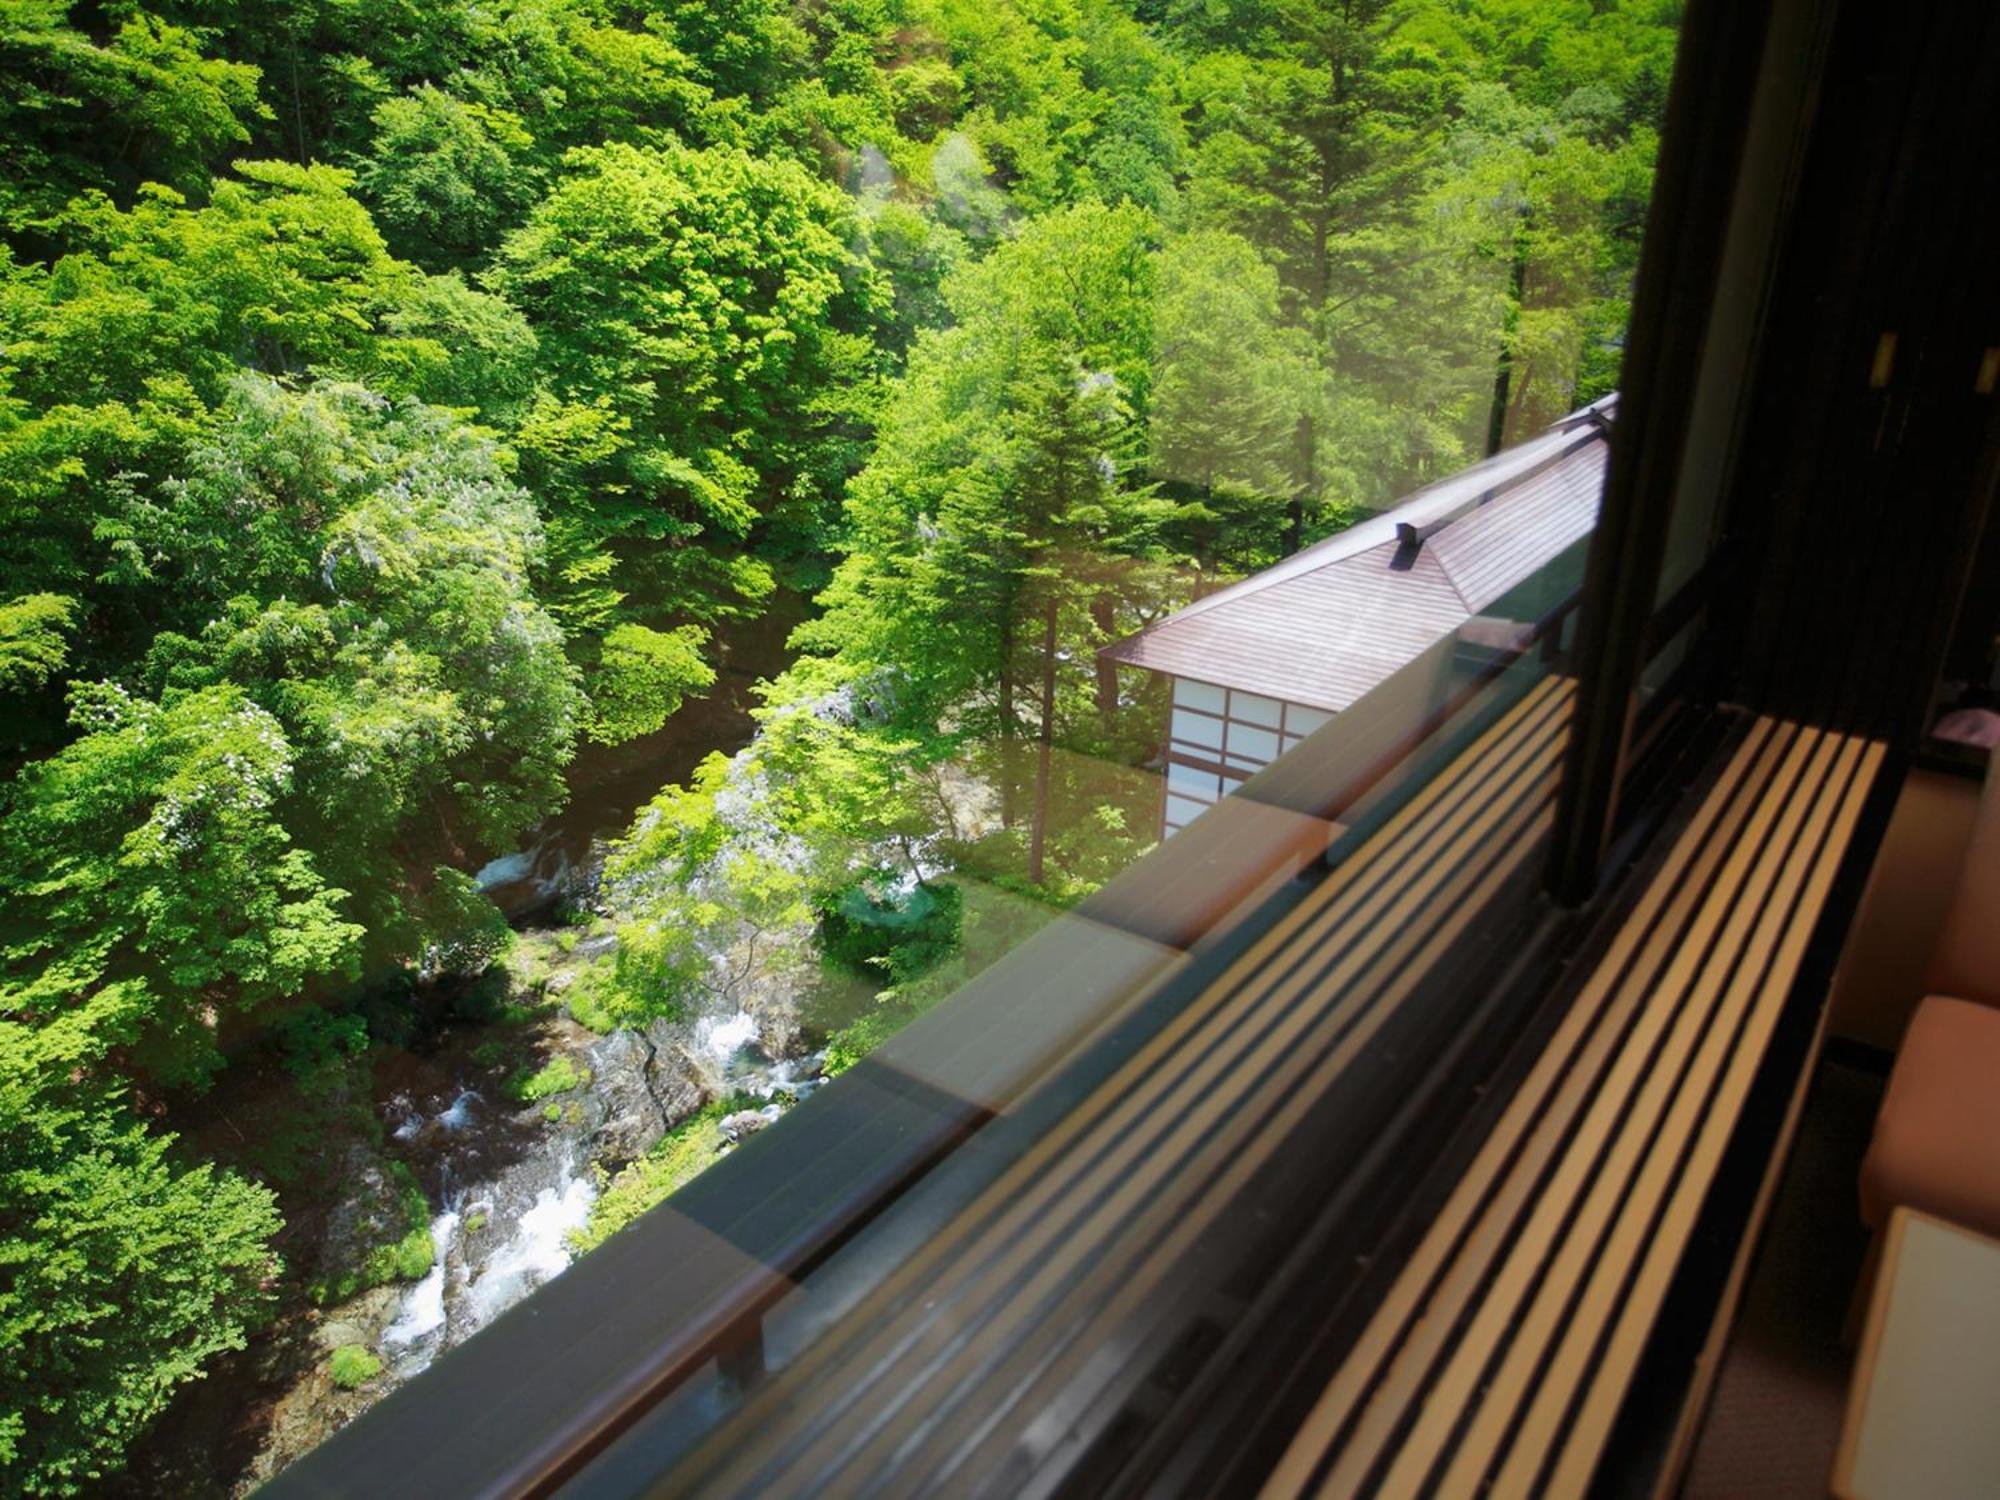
x: 934, y: 1383
x: 1497, y: 1363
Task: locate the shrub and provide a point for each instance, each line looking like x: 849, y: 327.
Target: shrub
x: 353, y: 1365
x: 595, y: 1001
x: 556, y: 1076
x: 314, y: 1040
x: 122, y: 1272
x: 872, y: 930
x: 486, y: 998
x: 861, y: 1036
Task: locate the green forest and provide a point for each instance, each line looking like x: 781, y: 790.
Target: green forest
x: 398, y: 397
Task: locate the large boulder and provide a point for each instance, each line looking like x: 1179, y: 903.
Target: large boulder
x: 640, y: 1086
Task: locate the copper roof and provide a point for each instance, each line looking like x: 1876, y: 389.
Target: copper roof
x: 1329, y: 622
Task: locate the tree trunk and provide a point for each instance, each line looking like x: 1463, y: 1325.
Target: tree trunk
x: 1295, y: 512
x: 1045, y: 749
x: 1503, y: 375
x: 1007, y: 799
x: 1103, y: 614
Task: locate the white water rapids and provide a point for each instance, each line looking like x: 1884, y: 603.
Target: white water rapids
x: 482, y: 1263
x: 524, y: 1213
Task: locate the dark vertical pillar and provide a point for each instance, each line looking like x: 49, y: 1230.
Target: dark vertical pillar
x: 1708, y: 113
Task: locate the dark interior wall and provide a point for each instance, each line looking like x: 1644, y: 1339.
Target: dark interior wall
x: 1857, y: 508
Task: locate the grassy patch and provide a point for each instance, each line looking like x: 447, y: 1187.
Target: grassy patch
x: 557, y: 1076
x: 405, y: 1257
x: 681, y: 1154
x: 527, y: 961
x: 352, y: 1365
x: 594, y: 999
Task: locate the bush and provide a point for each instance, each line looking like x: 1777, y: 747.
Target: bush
x: 596, y: 1001
x: 870, y: 929
x: 866, y: 1032
x: 314, y: 1039
x: 353, y: 1365
x: 556, y: 1076
x: 488, y: 998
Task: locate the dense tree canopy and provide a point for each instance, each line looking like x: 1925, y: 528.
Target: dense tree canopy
x: 122, y: 1273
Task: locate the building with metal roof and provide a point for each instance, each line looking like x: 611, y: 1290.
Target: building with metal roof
x: 1262, y: 663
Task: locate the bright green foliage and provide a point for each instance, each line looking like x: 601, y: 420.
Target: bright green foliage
x: 152, y: 888
x: 987, y: 483
x: 32, y: 648
x: 446, y: 176
x: 280, y: 269
x: 641, y: 678
x: 1067, y: 101
x: 352, y: 1366
x: 490, y: 366
x: 875, y: 929
x: 571, y: 70
x: 597, y: 1002
x: 403, y: 1250
x: 557, y: 1076
x: 66, y: 89
x: 1416, y: 173
x: 679, y: 1156
x: 400, y: 699
x: 427, y: 694
x: 723, y: 880
x: 122, y: 1272
x: 916, y: 252
x: 1232, y: 387
x: 693, y: 884
x: 112, y: 360
x: 690, y: 307
x: 998, y: 523
x: 395, y: 393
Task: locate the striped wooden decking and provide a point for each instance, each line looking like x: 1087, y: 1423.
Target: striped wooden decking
x: 928, y: 1385
x: 1498, y: 1362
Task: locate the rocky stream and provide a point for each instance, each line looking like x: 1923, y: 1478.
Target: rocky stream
x: 507, y: 1181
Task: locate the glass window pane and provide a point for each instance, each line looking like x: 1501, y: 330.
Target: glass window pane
x: 533, y: 648
x: 1255, y: 710
x: 1201, y: 695
x: 1257, y: 745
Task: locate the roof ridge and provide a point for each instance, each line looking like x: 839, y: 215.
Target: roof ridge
x: 1511, y: 467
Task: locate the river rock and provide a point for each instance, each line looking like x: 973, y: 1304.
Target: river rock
x: 743, y: 1123
x: 643, y: 1084
x: 676, y: 1082
x: 312, y: 1408
x: 338, y: 1333
x: 596, y: 947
